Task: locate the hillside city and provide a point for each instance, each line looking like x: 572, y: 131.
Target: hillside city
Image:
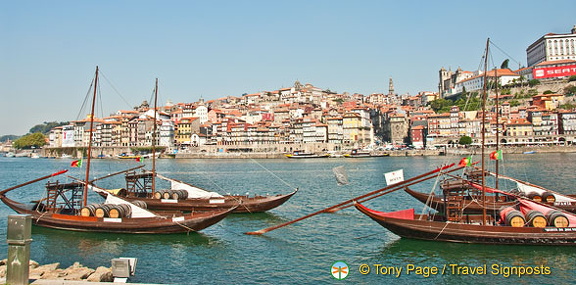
x: 531, y: 106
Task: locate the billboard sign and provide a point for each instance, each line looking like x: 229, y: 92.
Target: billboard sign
x: 555, y: 71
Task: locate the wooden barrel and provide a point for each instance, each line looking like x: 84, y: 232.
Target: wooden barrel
x: 183, y: 194
x: 89, y: 210
x: 535, y: 196
x: 512, y: 217
x: 102, y: 211
x: 167, y: 194
x: 140, y: 204
x: 120, y: 211
x: 158, y: 194
x: 536, y: 219
x: 548, y: 197
x: 175, y: 194
x: 557, y: 219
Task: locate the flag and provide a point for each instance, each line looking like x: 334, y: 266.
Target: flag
x: 496, y: 155
x: 140, y: 159
x: 466, y: 161
x: 76, y: 163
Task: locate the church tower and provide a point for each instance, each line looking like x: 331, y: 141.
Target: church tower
x: 391, y: 87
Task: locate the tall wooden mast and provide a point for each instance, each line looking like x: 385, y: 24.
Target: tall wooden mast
x: 483, y: 128
x: 91, y: 131
x: 154, y: 138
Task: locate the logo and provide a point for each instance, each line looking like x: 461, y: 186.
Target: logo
x: 339, y: 270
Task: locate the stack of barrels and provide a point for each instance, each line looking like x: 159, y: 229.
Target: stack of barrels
x: 545, y: 197
x: 514, y: 218
x: 107, y: 211
x: 171, y: 194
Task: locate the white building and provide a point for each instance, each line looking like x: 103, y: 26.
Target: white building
x: 552, y: 47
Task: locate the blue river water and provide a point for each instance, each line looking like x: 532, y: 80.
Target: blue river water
x: 302, y: 253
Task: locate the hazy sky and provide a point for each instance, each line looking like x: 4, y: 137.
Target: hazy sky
x: 212, y: 49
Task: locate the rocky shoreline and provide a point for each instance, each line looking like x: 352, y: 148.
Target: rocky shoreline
x: 76, y: 272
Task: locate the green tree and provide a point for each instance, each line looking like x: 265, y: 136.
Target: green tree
x: 533, y: 82
x: 514, y: 103
x: 465, y: 140
x: 547, y: 92
x: 441, y: 105
x: 570, y: 90
x: 46, y: 127
x: 504, y: 64
x: 572, y: 78
x: 35, y: 140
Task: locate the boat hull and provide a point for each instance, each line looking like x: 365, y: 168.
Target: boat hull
x: 471, y: 233
x: 242, y: 204
x: 150, y: 225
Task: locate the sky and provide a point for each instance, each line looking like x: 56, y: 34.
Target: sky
x: 49, y: 50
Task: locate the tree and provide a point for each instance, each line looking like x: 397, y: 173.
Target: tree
x: 35, y: 140
x: 441, y: 105
x: 505, y: 64
x: 46, y: 127
x: 465, y: 140
x: 533, y: 82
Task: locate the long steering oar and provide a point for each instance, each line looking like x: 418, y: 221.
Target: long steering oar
x: 395, y: 187
x: 33, y: 181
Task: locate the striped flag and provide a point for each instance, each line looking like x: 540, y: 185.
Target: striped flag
x: 466, y: 161
x: 496, y: 155
x: 76, y: 163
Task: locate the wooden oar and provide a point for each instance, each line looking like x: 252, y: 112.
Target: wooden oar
x: 33, y: 181
x: 327, y: 210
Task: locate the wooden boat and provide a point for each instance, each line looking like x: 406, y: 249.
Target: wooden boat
x: 301, y: 154
x: 527, y: 223
x: 65, y: 215
x: 408, y: 225
x: 356, y: 153
x: 186, y: 197
x: 65, y: 207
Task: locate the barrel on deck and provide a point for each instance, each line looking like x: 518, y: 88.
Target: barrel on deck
x: 557, y: 219
x: 89, y: 210
x: 159, y: 194
x: 140, y: 204
x: 535, y: 196
x: 102, y: 211
x: 548, y: 197
x: 536, y: 219
x: 120, y: 211
x: 512, y: 217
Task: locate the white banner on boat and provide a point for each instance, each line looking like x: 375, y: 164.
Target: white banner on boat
x: 394, y: 176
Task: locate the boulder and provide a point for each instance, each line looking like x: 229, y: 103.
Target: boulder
x: 40, y: 271
x: 102, y: 274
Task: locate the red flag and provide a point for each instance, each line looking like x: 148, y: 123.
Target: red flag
x: 496, y: 155
x: 466, y: 161
x: 76, y: 163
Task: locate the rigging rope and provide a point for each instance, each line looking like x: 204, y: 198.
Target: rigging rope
x: 273, y: 174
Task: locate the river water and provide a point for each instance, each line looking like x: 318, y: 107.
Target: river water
x: 302, y: 253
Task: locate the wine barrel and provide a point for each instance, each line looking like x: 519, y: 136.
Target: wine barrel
x: 167, y: 194
x: 512, y: 217
x: 175, y: 194
x: 557, y: 219
x: 159, y: 194
x: 536, y: 219
x: 102, y: 211
x: 535, y: 196
x: 183, y: 194
x: 548, y: 197
x: 120, y: 211
x: 89, y: 210
x: 140, y: 204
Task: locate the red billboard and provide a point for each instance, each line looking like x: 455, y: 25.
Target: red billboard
x: 556, y: 71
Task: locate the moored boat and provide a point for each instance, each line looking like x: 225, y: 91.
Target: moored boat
x: 301, y: 154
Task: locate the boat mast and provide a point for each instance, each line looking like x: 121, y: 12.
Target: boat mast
x: 497, y: 127
x: 154, y: 138
x: 89, y: 152
x: 484, y: 132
